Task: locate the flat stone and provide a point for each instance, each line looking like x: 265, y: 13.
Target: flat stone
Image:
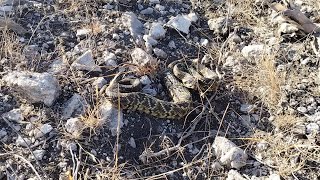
x: 83, y: 32
x: 130, y: 20
x: 3, y: 133
x: 110, y: 59
x: 6, y: 9
x: 85, y: 62
x: 302, y: 109
x: 287, y: 28
x: 132, y: 143
x: 182, y: 22
x: 312, y: 128
x: 25, y: 142
x: 160, y: 53
x: 31, y: 52
x: 255, y: 51
x: 274, y: 177
x: 57, y: 67
x: 100, y: 82
x: 204, y: 42
x: 235, y: 175
x: 150, y: 40
x: 145, y: 80
x: 38, y: 154
x: 160, y: 8
x: 172, y: 45
x: 148, y: 10
x: 13, y: 115
x: 246, y: 107
x: 154, y: 1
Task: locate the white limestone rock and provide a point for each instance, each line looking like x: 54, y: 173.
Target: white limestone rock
x: 157, y: 31
x: 142, y: 58
x: 110, y: 59
x: 255, y: 51
x: 112, y: 116
x: 74, y: 126
x: 182, y: 23
x: 160, y: 53
x: 36, y: 87
x: 86, y: 62
x: 42, y: 130
x: 25, y: 142
x: 228, y: 153
x: 100, y: 82
x: 38, y: 154
x: 130, y: 20
x: 13, y: 115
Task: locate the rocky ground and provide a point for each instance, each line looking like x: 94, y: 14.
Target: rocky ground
x: 261, y: 122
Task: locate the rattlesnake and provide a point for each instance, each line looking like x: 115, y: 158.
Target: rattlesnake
x: 180, y: 76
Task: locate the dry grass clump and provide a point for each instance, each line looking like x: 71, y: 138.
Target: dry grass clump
x: 96, y: 27
x: 91, y: 118
x: 286, y: 154
x: 10, y: 47
x: 262, y: 81
x: 72, y: 5
x: 286, y: 122
x: 149, y: 69
x: 245, y: 12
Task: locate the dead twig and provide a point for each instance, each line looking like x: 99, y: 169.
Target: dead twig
x: 75, y: 163
x: 30, y: 165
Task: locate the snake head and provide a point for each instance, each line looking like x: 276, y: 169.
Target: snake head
x: 190, y: 82
x: 119, y: 84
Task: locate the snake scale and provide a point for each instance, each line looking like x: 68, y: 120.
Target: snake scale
x: 180, y: 76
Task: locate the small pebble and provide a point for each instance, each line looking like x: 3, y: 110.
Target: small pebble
x: 38, y: 154
x: 132, y: 142
x: 25, y: 142
x: 149, y: 10
x: 312, y: 128
x: 302, y: 109
x: 160, y: 53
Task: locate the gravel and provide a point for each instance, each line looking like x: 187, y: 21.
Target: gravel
x: 57, y: 57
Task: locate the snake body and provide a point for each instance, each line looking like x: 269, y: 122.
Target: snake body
x: 137, y: 101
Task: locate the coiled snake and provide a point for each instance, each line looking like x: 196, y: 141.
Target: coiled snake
x: 180, y: 76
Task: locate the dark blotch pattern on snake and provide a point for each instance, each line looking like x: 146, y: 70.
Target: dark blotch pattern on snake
x: 137, y: 101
